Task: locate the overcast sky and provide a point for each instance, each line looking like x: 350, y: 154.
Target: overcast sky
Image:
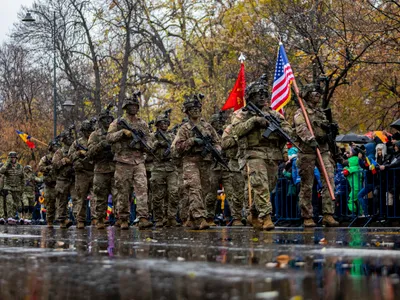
x: 8, y: 15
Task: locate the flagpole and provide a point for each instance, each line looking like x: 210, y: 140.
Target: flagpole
x: 40, y: 142
x: 242, y: 58
x: 319, y: 156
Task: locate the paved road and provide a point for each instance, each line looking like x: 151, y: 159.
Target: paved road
x: 221, y: 263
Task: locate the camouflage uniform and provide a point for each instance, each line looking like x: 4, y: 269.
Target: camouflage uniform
x: 103, y: 181
x: 164, y: 179
x: 215, y: 176
x: 30, y: 181
x: 130, y: 167
x: 83, y: 167
x: 50, y: 179
x: 233, y: 182
x: 307, y: 160
x: 196, y: 168
x: 65, y: 185
x: 260, y: 154
x: 13, y: 185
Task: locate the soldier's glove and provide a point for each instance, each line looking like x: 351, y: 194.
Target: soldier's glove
x: 314, y: 143
x: 104, y: 144
x: 127, y: 132
x: 260, y: 122
x: 65, y: 161
x: 198, y: 141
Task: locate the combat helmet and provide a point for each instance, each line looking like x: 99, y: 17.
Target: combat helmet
x: 106, y: 112
x: 86, y: 126
x: 192, y: 101
x: 257, y: 86
x: 164, y: 117
x: 12, y: 154
x: 133, y: 99
x: 28, y: 167
x: 309, y: 88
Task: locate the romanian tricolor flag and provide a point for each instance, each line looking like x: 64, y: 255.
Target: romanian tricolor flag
x: 109, y: 211
x: 26, y: 138
x: 370, y: 165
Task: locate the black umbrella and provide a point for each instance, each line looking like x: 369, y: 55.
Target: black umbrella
x: 396, y: 125
x: 352, y: 138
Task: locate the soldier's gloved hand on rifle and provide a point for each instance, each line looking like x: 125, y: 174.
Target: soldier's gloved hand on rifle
x: 65, y: 161
x: 198, y: 141
x: 127, y: 132
x: 82, y: 153
x: 313, y: 143
x: 104, y: 144
x: 260, y: 121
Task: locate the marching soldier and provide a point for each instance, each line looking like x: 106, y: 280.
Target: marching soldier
x: 196, y: 168
x: 100, y: 152
x: 234, y: 183
x: 307, y: 160
x: 261, y: 154
x: 65, y: 185
x: 28, y: 196
x: 130, y: 169
x: 83, y: 167
x: 164, y: 175
x: 50, y: 179
x: 13, y: 184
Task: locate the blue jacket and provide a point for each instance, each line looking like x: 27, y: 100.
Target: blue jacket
x: 295, y: 172
x: 340, y: 181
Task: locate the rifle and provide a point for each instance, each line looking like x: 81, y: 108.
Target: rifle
x: 77, y: 144
x: 137, y: 137
x: 161, y: 134
x: 273, y: 126
x: 209, y: 148
x: 332, y: 131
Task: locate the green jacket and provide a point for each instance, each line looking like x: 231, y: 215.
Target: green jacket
x: 13, y: 176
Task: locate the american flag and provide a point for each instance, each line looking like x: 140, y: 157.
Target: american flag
x: 282, y: 81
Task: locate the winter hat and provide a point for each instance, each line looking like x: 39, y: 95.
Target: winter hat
x: 383, y: 148
x: 292, y: 152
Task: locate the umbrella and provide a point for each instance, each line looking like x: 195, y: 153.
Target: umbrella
x: 353, y: 138
x: 396, y: 125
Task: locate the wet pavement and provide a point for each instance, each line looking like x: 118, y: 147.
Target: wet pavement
x: 221, y: 263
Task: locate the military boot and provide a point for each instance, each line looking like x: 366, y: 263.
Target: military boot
x: 2, y: 221
x: 50, y: 224
x: 171, y: 222
x: 188, y: 223
x: 124, y: 225
x: 237, y: 223
x: 210, y: 222
x: 117, y: 223
x: 94, y: 222
x: 100, y: 225
x: 144, y: 223
x: 80, y: 225
x: 309, y: 222
x: 329, y: 221
x: 256, y: 222
x: 267, y: 223
x: 65, y: 224
x: 200, y: 224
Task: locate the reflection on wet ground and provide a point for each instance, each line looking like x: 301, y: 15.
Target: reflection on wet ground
x: 221, y: 263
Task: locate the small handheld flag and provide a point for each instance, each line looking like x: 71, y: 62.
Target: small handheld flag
x: 283, y: 79
x: 26, y: 138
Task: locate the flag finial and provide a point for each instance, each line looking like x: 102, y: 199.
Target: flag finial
x: 242, y: 58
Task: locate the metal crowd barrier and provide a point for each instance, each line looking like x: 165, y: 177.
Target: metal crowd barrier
x: 378, y: 201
